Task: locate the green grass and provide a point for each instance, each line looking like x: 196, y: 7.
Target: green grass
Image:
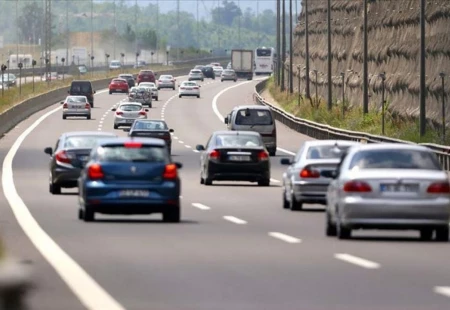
x: 396, y: 126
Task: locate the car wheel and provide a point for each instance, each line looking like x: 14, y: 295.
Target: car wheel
x: 202, y: 180
x: 285, y: 202
x: 235, y: 80
x: 208, y: 180
x: 442, y: 234
x: 92, y: 105
x: 110, y: 92
x: 172, y: 215
x: 272, y: 152
x: 55, y: 189
x: 330, y: 229
x: 88, y: 214
x: 343, y: 232
x: 264, y: 182
x: 179, y: 96
x: 64, y: 117
x: 88, y: 117
x: 116, y: 127
x: 295, y: 205
x: 426, y: 234
x: 156, y: 98
x: 198, y: 96
x: 80, y: 214
x: 173, y: 88
x: 221, y: 80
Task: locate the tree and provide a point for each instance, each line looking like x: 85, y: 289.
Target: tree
x: 226, y: 13
x: 31, y: 21
x: 148, y: 38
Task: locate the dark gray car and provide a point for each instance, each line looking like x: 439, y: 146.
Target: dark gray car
x: 69, y: 156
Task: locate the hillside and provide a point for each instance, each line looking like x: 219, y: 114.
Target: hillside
x: 394, y: 37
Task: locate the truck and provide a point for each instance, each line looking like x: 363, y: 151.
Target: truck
x: 242, y: 63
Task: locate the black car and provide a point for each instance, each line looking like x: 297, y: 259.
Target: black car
x: 152, y: 129
x: 82, y: 88
x: 234, y: 156
x: 71, y: 153
x: 208, y: 72
x: 130, y: 79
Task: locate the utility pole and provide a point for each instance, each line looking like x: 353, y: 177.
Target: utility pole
x: 239, y: 26
x: 17, y: 34
x: 307, y: 89
x: 48, y: 37
x: 92, y: 33
x: 278, y: 43
x: 157, y: 31
x: 258, y: 29
x: 178, y: 30
x: 67, y: 34
x: 330, y: 90
x: 115, y: 32
x: 291, y: 51
x: 198, y: 31
x: 423, y: 88
x: 365, y: 67
x: 283, y: 44
x: 135, y: 26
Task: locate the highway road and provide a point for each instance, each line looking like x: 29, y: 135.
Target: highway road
x: 236, y: 248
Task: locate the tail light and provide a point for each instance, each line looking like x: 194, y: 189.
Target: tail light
x: 62, y: 157
x: 170, y: 172
x: 95, y: 172
x: 439, y: 188
x: 65, y: 106
x: 142, y: 113
x: 119, y: 113
x: 132, y: 145
x: 308, y: 173
x: 263, y: 155
x: 215, y: 155
x: 357, y: 186
x: 182, y: 87
x: 87, y: 106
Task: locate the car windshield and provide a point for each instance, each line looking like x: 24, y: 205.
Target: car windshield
x: 115, y: 63
x: 152, y: 154
x: 130, y: 107
x: 150, y: 125
x: 84, y: 88
x: 395, y: 159
x: 196, y: 71
x: 165, y: 77
x: 261, y: 52
x: 147, y: 84
x: 126, y: 77
x: 254, y: 117
x: 228, y: 71
x: 238, y: 140
x: 189, y: 84
x: 76, y: 99
x: 326, y: 151
x: 84, y: 142
x: 119, y: 81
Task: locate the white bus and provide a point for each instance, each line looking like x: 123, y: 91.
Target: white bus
x: 265, y: 58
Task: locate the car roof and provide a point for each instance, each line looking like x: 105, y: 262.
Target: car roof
x: 81, y: 81
x: 196, y: 70
x: 130, y: 103
x: 89, y: 133
x: 236, y: 133
x: 395, y: 146
x: 330, y: 142
x: 149, y: 120
x: 252, y: 107
x: 125, y: 74
x: 145, y: 141
x: 185, y: 82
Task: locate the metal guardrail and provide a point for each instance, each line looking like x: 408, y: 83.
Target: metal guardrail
x: 324, y: 132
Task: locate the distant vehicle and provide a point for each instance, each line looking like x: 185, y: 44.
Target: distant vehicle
x: 218, y: 70
x: 228, y: 75
x: 118, y: 86
x: 195, y: 75
x: 189, y: 88
x: 307, y: 178
x: 389, y: 186
x: 152, y: 88
x: 9, y: 79
x: 208, y: 72
x: 82, y: 88
x: 215, y: 64
x: 82, y: 69
x: 69, y: 157
x: 234, y: 156
x: 130, y: 79
x: 242, y: 63
x: 130, y: 176
x: 151, y: 128
x: 200, y: 67
x: 51, y: 77
x: 127, y: 113
x: 229, y: 66
x: 115, y: 65
x: 76, y: 106
x: 142, y: 95
x: 140, y: 64
x: 265, y: 58
x: 146, y: 76
x: 166, y: 81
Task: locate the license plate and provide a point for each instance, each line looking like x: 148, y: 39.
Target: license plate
x: 239, y: 158
x: 399, y: 188
x: 133, y: 193
x: 83, y: 158
x: 129, y: 121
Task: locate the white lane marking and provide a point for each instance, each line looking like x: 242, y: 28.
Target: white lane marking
x: 175, y: 138
x: 188, y: 146
x: 200, y: 206
x: 90, y: 293
x: 196, y: 151
x: 357, y: 261
x: 284, y: 237
x: 179, y: 141
x: 101, y: 122
x: 443, y: 290
x: 274, y: 181
x: 181, y: 196
x: 163, y: 119
x: 285, y: 151
x: 171, y: 133
x: 234, y: 220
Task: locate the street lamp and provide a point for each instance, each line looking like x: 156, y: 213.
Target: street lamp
x: 442, y: 75
x: 299, y: 78
x: 63, y: 60
x: 92, y: 62
x: 167, y: 54
x: 122, y: 55
x: 33, y: 63
x: 182, y: 53
x: 343, y: 93
x: 3, y: 68
x: 73, y: 59
x: 20, y: 65
x: 152, y: 53
x: 57, y: 65
x: 137, y: 57
x: 315, y: 72
x: 383, y: 78
x: 47, y: 61
x: 40, y: 67
x: 106, y: 63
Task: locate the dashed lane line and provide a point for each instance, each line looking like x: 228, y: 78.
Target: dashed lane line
x: 234, y: 220
x: 357, y: 261
x: 179, y: 141
x: 284, y: 237
x: 200, y: 206
x: 274, y: 181
x: 188, y: 146
x: 442, y: 290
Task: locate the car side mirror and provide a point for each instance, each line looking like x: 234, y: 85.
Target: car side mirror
x: 286, y: 161
x: 127, y: 129
x: 146, y: 110
x: 171, y: 130
x: 333, y: 174
x: 95, y: 91
x: 179, y: 165
x: 200, y: 147
x: 68, y: 91
x: 62, y: 102
x: 226, y: 120
x: 113, y: 109
x: 48, y: 150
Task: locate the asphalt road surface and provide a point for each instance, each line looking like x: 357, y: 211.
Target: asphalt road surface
x: 236, y: 248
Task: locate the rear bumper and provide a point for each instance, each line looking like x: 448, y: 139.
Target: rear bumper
x: 189, y: 94
x: 252, y: 172
x: 66, y: 177
x: 229, y: 78
x: 81, y: 113
x: 310, y: 192
x: 118, y: 90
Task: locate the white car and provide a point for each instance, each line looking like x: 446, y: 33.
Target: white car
x: 218, y: 70
x: 127, y: 113
x: 189, y: 88
x: 115, y: 64
x: 153, y: 88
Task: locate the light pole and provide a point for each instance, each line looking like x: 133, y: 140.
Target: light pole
x: 122, y: 55
x: 20, y: 65
x: 307, y: 87
x: 330, y: 90
x: 106, y: 63
x: 278, y: 43
x: 17, y: 32
x: 3, y: 68
x: 365, y: 66
x: 40, y: 67
x: 47, y: 77
x: 283, y: 44
x: 299, y: 79
x: 151, y: 55
x: 167, y: 54
x: 57, y: 64
x: 291, y: 51
x: 92, y: 61
x: 383, y: 78
x: 92, y: 32
x: 423, y: 86
x: 33, y: 63
x: 343, y: 93
x: 115, y: 31
x: 317, y: 98
x: 137, y: 57
x: 442, y: 75
x: 63, y: 60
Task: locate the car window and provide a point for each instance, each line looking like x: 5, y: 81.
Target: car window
x: 153, y: 154
x: 325, y: 151
x: 130, y: 107
x: 189, y: 84
x: 83, y: 141
x: 238, y: 140
x: 76, y: 99
x: 165, y: 77
x: 150, y: 125
x: 253, y: 117
x: 81, y: 87
x: 395, y: 159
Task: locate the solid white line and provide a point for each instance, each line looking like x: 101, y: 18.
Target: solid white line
x: 285, y: 151
x: 175, y: 138
x: 90, y: 293
x: 274, y: 181
x: 200, y: 206
x: 357, y: 261
x: 188, y: 146
x: 443, y: 290
x: 179, y: 141
x: 234, y: 220
x: 286, y: 238
x: 196, y: 151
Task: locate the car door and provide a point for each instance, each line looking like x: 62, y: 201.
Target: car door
x: 204, y: 155
x: 333, y: 188
x: 288, y: 176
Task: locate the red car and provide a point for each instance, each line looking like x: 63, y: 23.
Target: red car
x: 118, y: 86
x: 146, y: 76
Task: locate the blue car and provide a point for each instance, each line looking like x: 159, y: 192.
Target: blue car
x: 130, y: 176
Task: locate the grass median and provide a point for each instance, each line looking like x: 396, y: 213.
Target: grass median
x: 353, y: 118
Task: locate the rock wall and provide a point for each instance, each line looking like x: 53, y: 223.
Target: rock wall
x: 394, y: 48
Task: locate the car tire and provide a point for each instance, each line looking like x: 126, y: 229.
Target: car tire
x: 343, y: 232
x: 116, y: 127
x: 221, y: 80
x: 159, y: 88
x: 156, y: 98
x: 198, y: 96
x: 88, y: 117
x: 179, y: 96
x: 173, y: 88
x: 273, y: 152
x: 295, y: 205
x: 426, y: 234
x: 202, y: 180
x: 235, y: 81
x: 208, y: 181
x: 54, y: 189
x: 88, y: 214
x: 442, y: 234
x: 110, y: 92
x: 330, y: 229
x: 172, y: 215
x: 285, y: 202
x: 64, y: 117
x: 264, y: 182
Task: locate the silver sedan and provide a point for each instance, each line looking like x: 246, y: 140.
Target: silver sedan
x: 389, y: 186
x: 127, y: 112
x: 309, y: 173
x: 76, y: 106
